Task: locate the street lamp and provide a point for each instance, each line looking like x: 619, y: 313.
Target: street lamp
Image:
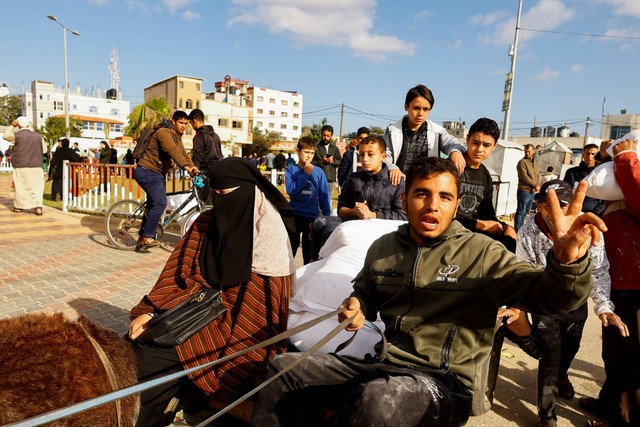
x: 66, y: 76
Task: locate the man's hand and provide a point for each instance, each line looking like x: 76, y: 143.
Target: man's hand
x: 512, y: 314
x: 458, y: 159
x: 489, y: 226
x: 615, y: 320
x: 603, y: 149
x: 138, y: 325
x: 509, y: 231
x: 328, y: 160
x: 352, y: 305
x: 395, y: 176
x: 626, y: 145
x: 574, y: 232
x: 363, y: 211
x: 193, y: 171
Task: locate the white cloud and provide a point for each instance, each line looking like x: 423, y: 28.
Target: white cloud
x: 175, y: 5
x: 545, y: 15
x: 339, y: 23
x: 422, y: 15
x: 624, y: 7
x: 576, y: 69
x: 99, y: 2
x: 487, y: 19
x: 547, y: 74
x: 457, y: 44
x: 190, y: 15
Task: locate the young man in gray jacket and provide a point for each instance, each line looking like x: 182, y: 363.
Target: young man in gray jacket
x: 437, y: 288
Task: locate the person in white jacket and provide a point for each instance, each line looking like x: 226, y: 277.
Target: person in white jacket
x: 559, y: 336
x: 415, y: 135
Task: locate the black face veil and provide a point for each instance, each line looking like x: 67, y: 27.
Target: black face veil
x: 226, y: 254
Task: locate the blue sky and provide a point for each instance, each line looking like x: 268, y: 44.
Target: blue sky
x: 363, y: 53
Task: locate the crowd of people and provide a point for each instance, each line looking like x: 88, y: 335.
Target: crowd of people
x: 448, y: 284
x: 443, y: 283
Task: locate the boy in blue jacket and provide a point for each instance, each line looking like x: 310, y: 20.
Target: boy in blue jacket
x: 308, y: 195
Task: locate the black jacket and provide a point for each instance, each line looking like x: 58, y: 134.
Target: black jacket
x: 206, y: 147
x: 577, y: 174
x: 381, y: 196
x: 61, y: 154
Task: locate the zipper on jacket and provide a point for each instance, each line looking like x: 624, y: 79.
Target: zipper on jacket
x: 412, y: 287
x: 446, y: 348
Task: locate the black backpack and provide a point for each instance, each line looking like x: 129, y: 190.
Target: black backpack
x: 145, y: 137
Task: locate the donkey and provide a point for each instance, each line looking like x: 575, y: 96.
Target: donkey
x: 48, y: 362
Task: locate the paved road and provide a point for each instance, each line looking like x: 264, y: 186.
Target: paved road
x: 62, y: 262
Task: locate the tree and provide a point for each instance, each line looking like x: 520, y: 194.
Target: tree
x: 147, y: 115
x: 377, y: 130
x: 261, y: 142
x: 10, y: 109
x: 54, y: 129
x: 315, y: 130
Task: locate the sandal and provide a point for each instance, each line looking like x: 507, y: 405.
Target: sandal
x: 565, y: 389
x: 38, y: 211
x: 16, y: 210
x: 146, y: 243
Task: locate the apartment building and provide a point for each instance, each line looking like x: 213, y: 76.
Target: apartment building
x: 277, y: 111
x: 102, y: 117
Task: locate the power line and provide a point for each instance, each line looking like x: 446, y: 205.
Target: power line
x: 581, y: 34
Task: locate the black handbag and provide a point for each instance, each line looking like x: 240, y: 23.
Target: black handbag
x: 176, y: 325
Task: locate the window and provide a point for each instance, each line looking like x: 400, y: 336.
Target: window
x: 180, y: 103
x: 189, y: 104
x: 114, y: 127
x: 93, y: 109
x: 296, y: 115
x: 41, y: 97
x: 260, y: 111
x: 236, y: 124
x: 223, y: 123
x: 75, y: 107
x: 181, y: 85
x: 271, y: 126
x: 48, y: 97
x: 85, y: 125
x: 28, y: 103
x: 57, y: 105
x: 272, y: 112
x: 197, y: 104
x: 115, y: 112
x: 296, y: 104
x: 197, y: 86
x: 295, y: 127
x: 261, y: 99
x: 283, y: 126
x: 283, y: 114
x: 99, y: 125
x: 272, y: 100
x: 259, y: 124
x: 618, y: 131
x: 284, y: 102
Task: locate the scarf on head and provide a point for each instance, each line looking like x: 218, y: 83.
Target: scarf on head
x: 227, y: 251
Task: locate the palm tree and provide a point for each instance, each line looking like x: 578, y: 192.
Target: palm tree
x: 147, y: 115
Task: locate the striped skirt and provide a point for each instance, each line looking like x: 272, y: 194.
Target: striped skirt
x: 255, y: 312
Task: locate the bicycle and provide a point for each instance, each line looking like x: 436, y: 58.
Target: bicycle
x: 124, y: 218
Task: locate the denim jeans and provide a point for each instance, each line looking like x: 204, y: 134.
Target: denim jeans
x: 525, y: 201
x: 154, y: 185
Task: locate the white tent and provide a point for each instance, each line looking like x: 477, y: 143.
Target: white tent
x: 557, y: 155
x: 502, y: 166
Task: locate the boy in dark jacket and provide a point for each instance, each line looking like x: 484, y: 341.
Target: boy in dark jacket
x: 368, y: 194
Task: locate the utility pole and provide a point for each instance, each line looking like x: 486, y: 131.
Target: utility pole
x: 508, y: 85
x: 341, y: 119
x: 586, y: 132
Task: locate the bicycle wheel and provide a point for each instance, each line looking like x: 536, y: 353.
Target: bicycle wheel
x: 186, y: 224
x: 123, y: 223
